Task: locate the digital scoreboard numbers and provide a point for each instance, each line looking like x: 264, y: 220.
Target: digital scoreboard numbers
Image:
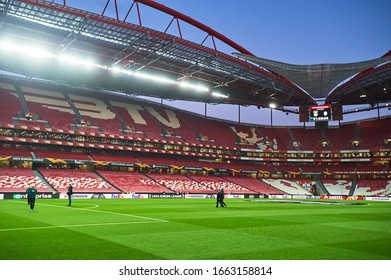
x: 320, y: 113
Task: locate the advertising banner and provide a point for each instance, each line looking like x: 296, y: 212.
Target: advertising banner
x: 378, y: 198
x: 167, y: 195
x: 24, y: 195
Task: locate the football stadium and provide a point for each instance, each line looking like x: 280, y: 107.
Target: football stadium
x: 146, y: 175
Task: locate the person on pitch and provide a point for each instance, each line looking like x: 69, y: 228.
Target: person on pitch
x: 70, y: 193
x: 32, y: 195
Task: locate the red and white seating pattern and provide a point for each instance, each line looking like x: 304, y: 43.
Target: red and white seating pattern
x: 179, y: 183
x: 96, y: 113
x: 132, y: 182
x: 137, y: 117
x: 276, y: 138
x: 373, y: 188
x: 50, y: 105
x: 10, y: 104
x: 218, y: 132
x: 216, y: 183
x: 18, y: 180
x: 173, y: 123
x: 287, y: 186
x: 337, y: 187
x: 254, y: 185
x: 82, y: 181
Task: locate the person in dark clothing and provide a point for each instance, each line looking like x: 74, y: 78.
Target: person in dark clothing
x: 219, y: 198
x: 31, y: 195
x: 28, y: 195
x: 70, y: 193
x: 222, y: 198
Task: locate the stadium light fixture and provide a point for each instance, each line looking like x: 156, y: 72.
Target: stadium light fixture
x: 27, y: 50
x: 154, y: 78
x: 118, y: 70
x: 200, y: 88
x: 77, y: 61
x: 272, y: 105
x: 39, y: 52
x: 219, y: 95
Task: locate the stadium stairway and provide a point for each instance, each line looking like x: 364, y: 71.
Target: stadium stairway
x: 22, y: 99
x: 104, y: 179
x: 112, y: 109
x: 67, y: 98
x: 40, y: 176
x: 157, y: 182
x: 293, y: 138
x: 15, y: 121
x: 353, y: 188
x: 322, y: 188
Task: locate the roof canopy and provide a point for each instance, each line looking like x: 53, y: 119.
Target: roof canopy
x: 113, y: 42
x: 318, y: 80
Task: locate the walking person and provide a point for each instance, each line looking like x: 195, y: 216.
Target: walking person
x: 219, y: 199
x: 28, y: 195
x: 31, y: 195
x: 222, y: 198
x: 70, y: 193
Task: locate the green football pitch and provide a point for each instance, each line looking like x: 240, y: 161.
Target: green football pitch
x: 193, y: 229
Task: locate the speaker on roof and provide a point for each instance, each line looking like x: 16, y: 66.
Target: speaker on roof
x: 303, y: 114
x: 337, y: 112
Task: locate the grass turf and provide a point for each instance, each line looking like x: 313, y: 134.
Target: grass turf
x: 193, y: 229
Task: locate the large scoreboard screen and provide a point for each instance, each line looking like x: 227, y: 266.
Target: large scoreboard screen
x: 320, y: 113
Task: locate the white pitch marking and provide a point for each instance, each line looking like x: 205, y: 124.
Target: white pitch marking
x: 72, y: 226
x: 106, y: 212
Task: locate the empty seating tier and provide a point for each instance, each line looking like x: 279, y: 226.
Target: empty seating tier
x: 19, y: 179
x: 82, y: 181
x: 132, y: 182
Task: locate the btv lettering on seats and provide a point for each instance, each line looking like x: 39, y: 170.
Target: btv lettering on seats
x: 95, y: 108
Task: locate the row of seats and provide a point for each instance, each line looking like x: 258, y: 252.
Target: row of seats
x: 109, y: 114
x: 288, y: 186
x: 82, y: 181
x: 132, y: 182
x: 177, y: 161
x: 337, y: 187
x: 18, y: 179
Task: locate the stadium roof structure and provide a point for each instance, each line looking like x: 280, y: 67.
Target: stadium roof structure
x: 327, y: 81
x: 116, y: 43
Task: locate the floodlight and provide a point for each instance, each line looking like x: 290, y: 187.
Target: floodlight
x: 185, y: 84
x: 77, y: 61
x: 220, y: 95
x: 154, y: 78
x: 27, y: 50
x: 119, y: 70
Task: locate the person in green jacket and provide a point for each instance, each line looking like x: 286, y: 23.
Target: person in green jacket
x: 32, y: 195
